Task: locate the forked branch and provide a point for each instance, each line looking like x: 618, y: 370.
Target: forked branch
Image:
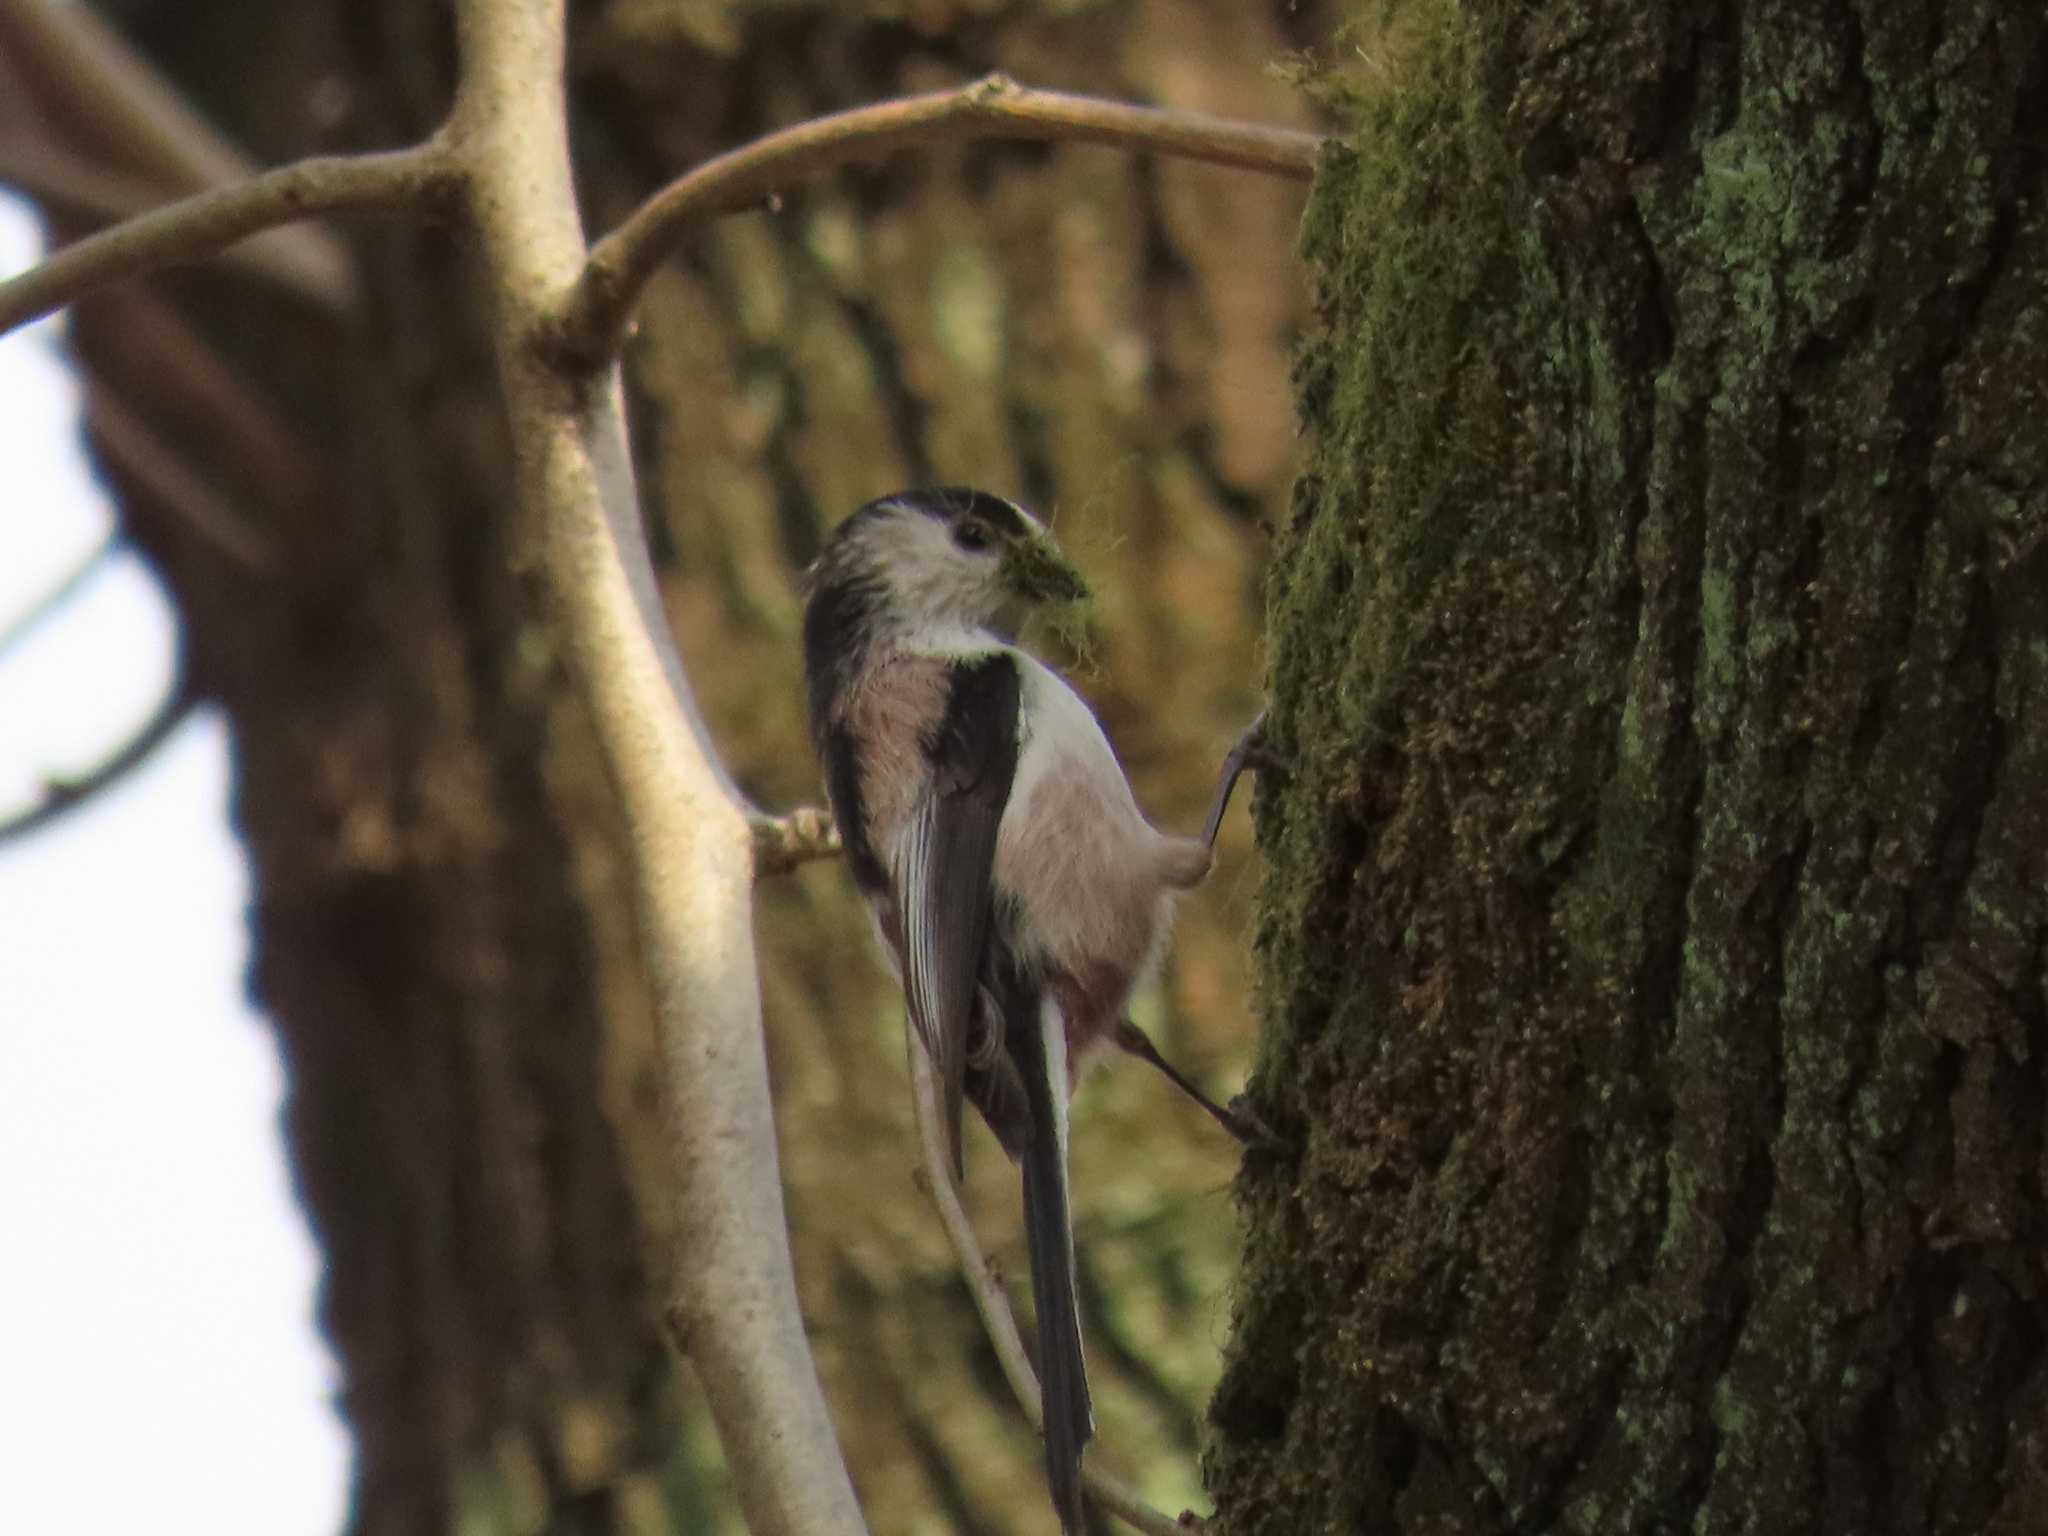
x: 994, y: 107
x: 67, y: 793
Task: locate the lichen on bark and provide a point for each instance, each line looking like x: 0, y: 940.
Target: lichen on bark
x: 1651, y: 951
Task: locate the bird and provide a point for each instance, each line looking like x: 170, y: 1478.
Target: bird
x: 1016, y: 890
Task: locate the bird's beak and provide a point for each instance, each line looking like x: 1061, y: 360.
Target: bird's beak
x: 1036, y: 572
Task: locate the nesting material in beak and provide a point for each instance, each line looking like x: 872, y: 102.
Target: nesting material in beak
x: 1054, y: 596
x: 1037, y: 572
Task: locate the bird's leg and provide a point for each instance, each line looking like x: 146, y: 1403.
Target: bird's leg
x: 1247, y: 1127
x: 1252, y: 751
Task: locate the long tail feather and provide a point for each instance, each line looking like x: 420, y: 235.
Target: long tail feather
x: 1063, y: 1377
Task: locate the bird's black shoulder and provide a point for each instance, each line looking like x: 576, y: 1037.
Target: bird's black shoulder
x: 973, y: 747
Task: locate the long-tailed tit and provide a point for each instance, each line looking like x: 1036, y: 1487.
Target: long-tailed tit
x: 1016, y: 888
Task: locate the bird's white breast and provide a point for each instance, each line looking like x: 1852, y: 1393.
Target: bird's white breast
x: 1074, y: 852
x: 1060, y: 733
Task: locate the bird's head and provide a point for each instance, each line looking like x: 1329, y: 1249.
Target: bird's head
x: 951, y: 556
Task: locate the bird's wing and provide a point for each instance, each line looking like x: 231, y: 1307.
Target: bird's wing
x: 943, y: 865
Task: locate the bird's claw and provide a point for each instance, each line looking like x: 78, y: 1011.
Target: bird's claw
x: 1253, y: 1132
x: 1253, y: 750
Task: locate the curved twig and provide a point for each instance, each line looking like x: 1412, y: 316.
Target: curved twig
x: 993, y: 107
x: 13, y: 631
x: 1110, y: 1491
x: 208, y: 222
x: 67, y: 794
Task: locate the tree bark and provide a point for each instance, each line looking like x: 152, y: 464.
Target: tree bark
x: 443, y: 934
x: 1653, y: 945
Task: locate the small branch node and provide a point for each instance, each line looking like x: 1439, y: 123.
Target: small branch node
x: 991, y: 88
x: 783, y: 843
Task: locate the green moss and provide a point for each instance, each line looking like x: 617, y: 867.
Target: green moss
x: 1425, y: 503
x: 1417, y: 242
x: 1653, y: 728
x: 1415, y: 233
x: 1718, y: 631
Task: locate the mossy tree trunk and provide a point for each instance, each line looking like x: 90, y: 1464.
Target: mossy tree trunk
x: 1653, y: 946
x: 440, y: 912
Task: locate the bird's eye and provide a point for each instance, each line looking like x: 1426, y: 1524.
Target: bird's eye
x: 973, y: 534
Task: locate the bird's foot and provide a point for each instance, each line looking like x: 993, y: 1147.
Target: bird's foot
x: 1255, y: 751
x: 1238, y: 1118
x: 1251, y: 1129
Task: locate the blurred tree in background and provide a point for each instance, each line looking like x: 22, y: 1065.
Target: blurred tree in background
x: 443, y: 936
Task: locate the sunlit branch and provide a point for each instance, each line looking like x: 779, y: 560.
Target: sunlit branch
x: 206, y: 223
x: 730, y: 1280
x: 994, y: 1306
x: 993, y: 107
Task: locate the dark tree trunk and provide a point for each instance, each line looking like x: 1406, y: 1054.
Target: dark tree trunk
x: 1653, y: 948
x: 442, y: 929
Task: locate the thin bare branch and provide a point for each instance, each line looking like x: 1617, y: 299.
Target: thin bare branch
x: 992, y: 107
x: 997, y: 1321
x: 13, y: 631
x: 732, y: 1285
x: 208, y: 222
x: 784, y: 843
x: 67, y: 794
